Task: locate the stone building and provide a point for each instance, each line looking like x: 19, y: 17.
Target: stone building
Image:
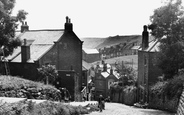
x: 148, y: 72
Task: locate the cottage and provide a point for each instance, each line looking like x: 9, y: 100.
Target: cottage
x: 59, y: 47
x: 104, y: 78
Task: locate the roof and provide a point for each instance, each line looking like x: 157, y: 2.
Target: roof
x: 106, y: 74
x: 85, y: 65
x: 40, y: 42
x: 153, y: 46
x: 90, y: 51
x: 135, y: 47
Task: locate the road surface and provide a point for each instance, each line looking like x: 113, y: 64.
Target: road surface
x: 121, y: 109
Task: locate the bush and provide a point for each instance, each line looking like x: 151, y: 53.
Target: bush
x: 129, y: 93
x: 165, y: 95
x: 158, y: 88
x: 174, y: 87
x: 18, y: 87
x: 48, y: 73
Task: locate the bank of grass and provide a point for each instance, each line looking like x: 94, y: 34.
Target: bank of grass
x: 15, y: 82
x: 11, y: 86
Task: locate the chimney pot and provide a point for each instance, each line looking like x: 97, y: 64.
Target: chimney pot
x: 104, y: 67
x: 145, y: 37
x: 68, y: 24
x: 24, y: 27
x: 25, y: 51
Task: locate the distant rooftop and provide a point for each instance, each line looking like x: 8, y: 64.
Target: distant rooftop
x: 90, y: 51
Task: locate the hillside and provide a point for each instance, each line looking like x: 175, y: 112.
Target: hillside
x: 109, y: 41
x: 92, y: 43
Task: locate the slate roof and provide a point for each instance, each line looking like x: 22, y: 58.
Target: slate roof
x: 153, y: 46
x: 40, y: 42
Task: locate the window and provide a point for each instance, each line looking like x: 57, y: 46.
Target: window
x: 145, y: 60
x: 65, y: 46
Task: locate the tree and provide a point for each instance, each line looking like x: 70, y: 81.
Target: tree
x: 167, y: 25
x: 8, y: 25
x: 127, y: 74
x: 48, y: 73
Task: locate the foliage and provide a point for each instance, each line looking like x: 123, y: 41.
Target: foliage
x: 8, y: 24
x: 170, y: 88
x: 115, y: 87
x: 167, y: 25
x: 174, y: 87
x: 129, y: 93
x: 26, y: 107
x: 127, y: 74
x: 17, y: 87
x: 48, y: 73
x: 158, y: 88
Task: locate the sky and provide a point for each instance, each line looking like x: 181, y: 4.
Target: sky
x: 90, y: 18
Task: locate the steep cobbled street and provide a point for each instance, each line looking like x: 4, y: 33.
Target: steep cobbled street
x: 121, y: 109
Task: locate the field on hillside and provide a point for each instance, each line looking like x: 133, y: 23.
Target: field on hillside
x: 130, y: 60
x: 92, y: 43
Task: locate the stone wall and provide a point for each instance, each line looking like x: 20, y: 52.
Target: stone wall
x: 180, y: 110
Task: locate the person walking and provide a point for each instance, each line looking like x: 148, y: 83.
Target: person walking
x: 101, y: 103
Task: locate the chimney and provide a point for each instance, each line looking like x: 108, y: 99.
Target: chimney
x: 104, y: 67
x: 111, y: 71
x: 68, y: 24
x: 145, y: 38
x: 103, y: 62
x: 25, y: 51
x: 24, y: 27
